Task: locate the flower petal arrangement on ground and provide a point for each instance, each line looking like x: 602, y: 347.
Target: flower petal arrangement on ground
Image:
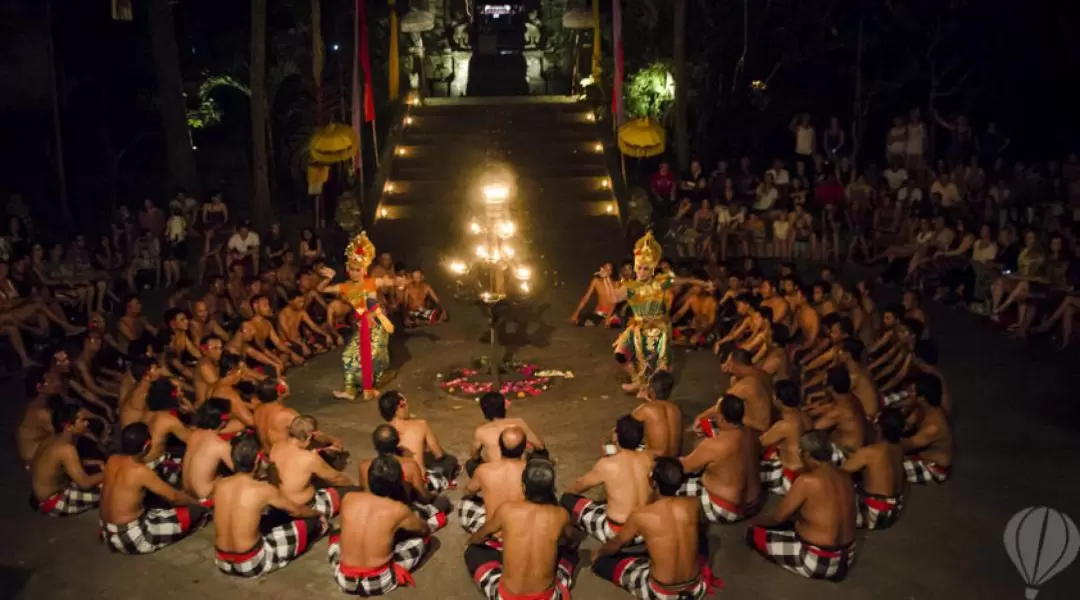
x: 522, y: 379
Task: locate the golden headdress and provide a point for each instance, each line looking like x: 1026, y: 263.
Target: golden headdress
x: 647, y: 251
x: 360, y: 252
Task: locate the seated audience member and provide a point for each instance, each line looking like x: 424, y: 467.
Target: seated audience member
x: 538, y: 555
x: 381, y: 540
x: 127, y: 525
x: 675, y: 566
x: 60, y: 484
x: 495, y: 482
x: 881, y: 466
x: 296, y: 468
x: 821, y: 504
x: 624, y: 474
x: 929, y: 449
x: 724, y: 468
x: 241, y: 547
x: 418, y: 438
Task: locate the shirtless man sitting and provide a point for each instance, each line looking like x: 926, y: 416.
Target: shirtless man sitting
x: 165, y: 425
x: 841, y: 415
x: 808, y: 335
x: 427, y: 505
x: 782, y: 315
x: 127, y: 526
x: 296, y: 466
x: 421, y: 305
x: 849, y: 357
x: 781, y: 461
x: 496, y: 481
x: 419, y: 439
x: 381, y: 541
x: 676, y: 566
x: 538, y: 555
x: 35, y: 426
x: 241, y: 547
x: 207, y: 371
x: 624, y: 474
x: 60, y: 485
x: 699, y: 330
x: 242, y: 345
x: 821, y: 504
x: 233, y: 374
x: 750, y: 383
x: 724, y: 468
x: 603, y: 285
x: 299, y: 331
x: 203, y: 324
x: 485, y: 445
x: 929, y: 450
x: 661, y: 416
x: 894, y: 365
x: 266, y: 337
x: 881, y: 490
x: 273, y: 418
x: 776, y: 361
x: 207, y: 452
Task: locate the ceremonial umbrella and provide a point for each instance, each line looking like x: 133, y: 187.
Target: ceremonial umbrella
x: 333, y: 143
x: 640, y: 138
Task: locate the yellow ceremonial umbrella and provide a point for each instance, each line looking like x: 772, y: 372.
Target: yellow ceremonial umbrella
x: 640, y: 138
x: 333, y: 143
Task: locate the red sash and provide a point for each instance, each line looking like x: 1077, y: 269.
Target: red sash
x: 401, y: 575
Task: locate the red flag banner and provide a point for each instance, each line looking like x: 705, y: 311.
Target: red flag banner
x: 617, y: 88
x: 365, y: 63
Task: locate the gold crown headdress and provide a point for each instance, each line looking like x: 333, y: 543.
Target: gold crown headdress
x: 647, y: 251
x: 360, y: 252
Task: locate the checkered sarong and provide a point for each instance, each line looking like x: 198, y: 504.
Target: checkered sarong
x: 438, y: 482
x: 634, y: 574
x: 381, y: 580
x: 878, y: 512
x: 168, y: 468
x: 919, y: 470
x: 326, y: 502
x: 774, y: 476
x: 716, y: 509
x: 472, y: 513
x: 67, y: 502
x: 783, y: 547
x: 278, y: 547
x: 430, y: 514
x: 488, y: 575
x: 153, y: 530
x: 592, y: 518
x: 839, y: 455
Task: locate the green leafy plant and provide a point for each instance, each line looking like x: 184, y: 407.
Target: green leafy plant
x: 651, y: 91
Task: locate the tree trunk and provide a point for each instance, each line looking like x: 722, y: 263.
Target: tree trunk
x: 858, y: 112
x: 58, y: 134
x: 682, y: 137
x: 260, y: 201
x: 178, y: 150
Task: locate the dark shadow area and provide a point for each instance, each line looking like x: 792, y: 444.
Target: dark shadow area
x: 12, y: 581
x: 497, y: 75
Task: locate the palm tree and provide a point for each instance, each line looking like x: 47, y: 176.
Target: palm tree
x: 260, y: 202
x: 179, y: 153
x: 682, y: 138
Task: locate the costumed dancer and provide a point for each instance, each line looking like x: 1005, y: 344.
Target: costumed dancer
x: 645, y: 345
x: 367, y: 355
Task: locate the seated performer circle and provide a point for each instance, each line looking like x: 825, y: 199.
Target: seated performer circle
x: 676, y: 564
x: 820, y: 544
x: 624, y: 473
x: 59, y: 482
x: 495, y: 482
x: 127, y: 525
x: 381, y: 540
x: 243, y: 547
x: 538, y: 555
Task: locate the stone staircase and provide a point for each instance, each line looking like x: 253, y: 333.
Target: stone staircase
x: 568, y: 219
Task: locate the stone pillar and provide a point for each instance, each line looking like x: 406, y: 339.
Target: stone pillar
x: 460, y: 83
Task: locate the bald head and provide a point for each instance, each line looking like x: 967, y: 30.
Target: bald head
x: 302, y: 428
x: 512, y: 442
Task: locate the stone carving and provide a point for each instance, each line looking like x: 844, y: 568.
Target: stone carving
x: 532, y: 30
x: 460, y: 38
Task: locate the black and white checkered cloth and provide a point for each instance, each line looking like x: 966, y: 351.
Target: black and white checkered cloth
x: 438, y: 482
x: 489, y: 575
x: 381, y: 580
x: 592, y: 518
x: 430, y: 514
x: 69, y: 501
x: 326, y: 502
x: 716, y: 510
x: 168, y: 468
x: 878, y: 512
x: 153, y: 530
x: 280, y: 546
x: 920, y: 470
x: 839, y: 455
x: 774, y: 476
x: 634, y: 574
x: 691, y: 486
x: 890, y: 399
x: 472, y: 513
x: 783, y: 547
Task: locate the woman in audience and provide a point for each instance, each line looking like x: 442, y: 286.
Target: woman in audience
x: 176, y: 234
x: 1030, y: 266
x: 215, y: 216
x: 274, y: 246
x: 145, y: 256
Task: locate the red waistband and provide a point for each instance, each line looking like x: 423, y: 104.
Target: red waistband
x: 732, y: 507
x: 826, y: 552
x: 881, y: 502
x: 674, y: 590
x: 49, y: 504
x: 401, y: 574
x: 239, y: 557
x: 933, y: 466
x: 547, y: 594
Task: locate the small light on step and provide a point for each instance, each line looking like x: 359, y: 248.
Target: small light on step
x: 389, y: 188
x: 598, y: 148
x: 383, y: 213
x: 408, y: 120
x: 610, y: 208
x: 590, y: 117
x: 400, y: 151
x: 605, y: 183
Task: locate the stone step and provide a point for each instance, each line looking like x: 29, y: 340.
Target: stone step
x: 469, y: 171
x: 421, y: 135
x: 487, y: 106
x: 495, y: 122
x: 540, y: 158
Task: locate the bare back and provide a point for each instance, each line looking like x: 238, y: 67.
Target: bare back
x: 663, y: 426
x: 239, y: 501
x: 626, y: 482
x: 271, y: 422
x: 368, y: 526
x: 531, y: 534
x: 670, y: 528
x: 826, y: 513
x: 756, y: 392
x: 206, y: 452
x: 500, y: 482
